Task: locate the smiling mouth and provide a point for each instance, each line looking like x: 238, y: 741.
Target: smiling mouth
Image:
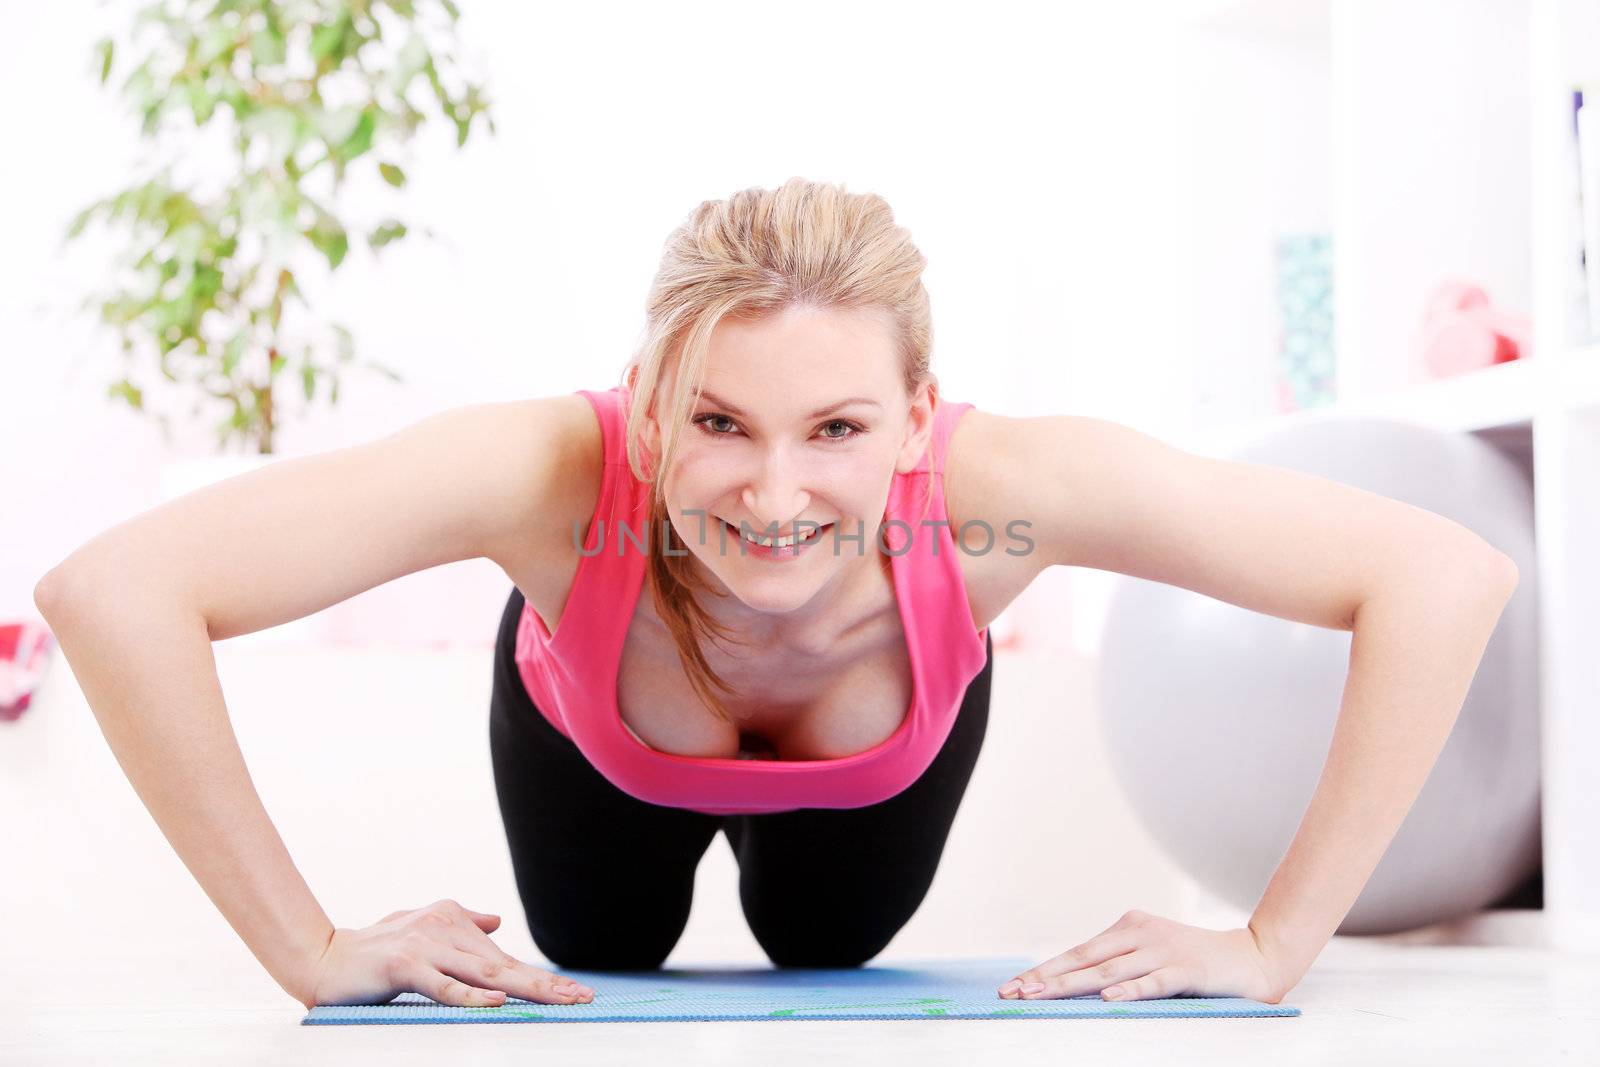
x: 805, y: 537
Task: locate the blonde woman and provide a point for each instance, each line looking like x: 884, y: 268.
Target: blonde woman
x: 825, y: 540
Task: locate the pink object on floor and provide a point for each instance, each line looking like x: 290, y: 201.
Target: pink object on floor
x: 24, y: 649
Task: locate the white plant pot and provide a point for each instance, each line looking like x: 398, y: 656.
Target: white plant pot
x: 183, y: 476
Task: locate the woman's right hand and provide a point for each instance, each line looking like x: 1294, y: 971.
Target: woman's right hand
x: 442, y: 951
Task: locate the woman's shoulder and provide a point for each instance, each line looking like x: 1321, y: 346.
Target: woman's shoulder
x: 984, y: 470
x: 553, y: 460
x: 556, y: 450
x: 991, y: 484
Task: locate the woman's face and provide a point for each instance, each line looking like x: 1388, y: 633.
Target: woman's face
x: 802, y: 424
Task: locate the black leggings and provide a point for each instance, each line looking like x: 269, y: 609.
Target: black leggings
x: 606, y: 879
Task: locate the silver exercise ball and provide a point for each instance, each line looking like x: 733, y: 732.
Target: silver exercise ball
x: 1218, y: 719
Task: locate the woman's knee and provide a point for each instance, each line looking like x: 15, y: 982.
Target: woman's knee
x: 834, y: 954
x: 569, y: 955
x: 835, y: 934
x: 604, y: 946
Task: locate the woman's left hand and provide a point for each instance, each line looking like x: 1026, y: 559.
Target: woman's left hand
x: 1147, y: 957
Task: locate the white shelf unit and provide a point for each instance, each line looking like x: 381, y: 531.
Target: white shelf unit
x: 1445, y: 132
x: 1564, y: 53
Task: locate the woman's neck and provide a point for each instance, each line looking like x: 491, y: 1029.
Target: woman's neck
x: 815, y: 629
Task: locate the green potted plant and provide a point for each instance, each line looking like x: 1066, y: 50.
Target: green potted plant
x: 207, y: 292
x: 207, y: 277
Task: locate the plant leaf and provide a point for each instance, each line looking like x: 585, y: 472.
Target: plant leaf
x: 333, y: 245
x: 104, y: 48
x: 347, y: 343
x: 392, y: 230
x: 232, y: 353
x: 387, y: 371
x: 411, y: 59
x: 201, y: 102
x: 360, y: 140
x: 279, y: 125
x: 82, y: 218
x: 267, y: 47
x: 392, y: 174
x: 125, y: 390
x: 216, y: 41
x: 336, y: 125
x: 327, y: 38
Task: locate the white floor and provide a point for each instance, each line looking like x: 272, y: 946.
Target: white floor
x: 110, y: 953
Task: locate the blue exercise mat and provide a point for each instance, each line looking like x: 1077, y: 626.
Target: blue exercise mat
x: 920, y: 989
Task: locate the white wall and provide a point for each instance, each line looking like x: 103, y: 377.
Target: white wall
x: 1257, y: 164
x: 1432, y: 140
x: 1029, y: 151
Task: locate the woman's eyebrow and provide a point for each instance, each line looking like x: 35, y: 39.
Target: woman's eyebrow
x: 713, y: 398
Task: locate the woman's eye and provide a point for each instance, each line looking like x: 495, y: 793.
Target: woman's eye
x: 711, y: 423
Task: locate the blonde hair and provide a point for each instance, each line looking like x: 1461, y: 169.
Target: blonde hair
x: 760, y: 251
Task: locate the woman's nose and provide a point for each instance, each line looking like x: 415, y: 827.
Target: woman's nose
x: 773, y: 493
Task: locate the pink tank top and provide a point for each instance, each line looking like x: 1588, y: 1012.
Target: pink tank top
x: 572, y: 677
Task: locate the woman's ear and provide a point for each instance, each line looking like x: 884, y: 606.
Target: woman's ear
x: 652, y: 434
x: 919, y: 427
x: 650, y: 437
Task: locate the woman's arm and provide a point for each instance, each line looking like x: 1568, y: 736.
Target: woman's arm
x: 146, y: 667
x: 1414, y: 650
x: 1421, y: 594
x: 136, y: 609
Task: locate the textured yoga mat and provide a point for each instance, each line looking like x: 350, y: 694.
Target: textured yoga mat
x: 919, y: 989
